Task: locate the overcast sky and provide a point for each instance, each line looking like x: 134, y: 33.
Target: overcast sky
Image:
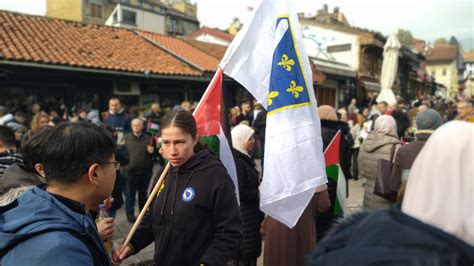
x: 426, y: 19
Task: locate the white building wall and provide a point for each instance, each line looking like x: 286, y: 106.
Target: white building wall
x: 144, y: 20
x: 469, y: 83
x: 211, y: 39
x: 151, y: 22
x: 317, y: 39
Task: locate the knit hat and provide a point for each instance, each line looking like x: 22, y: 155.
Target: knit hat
x: 428, y: 120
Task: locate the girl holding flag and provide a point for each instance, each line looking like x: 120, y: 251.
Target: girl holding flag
x: 195, y: 218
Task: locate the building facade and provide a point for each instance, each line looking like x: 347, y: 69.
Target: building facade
x: 442, y: 64
x: 329, y: 37
x: 151, y: 15
x: 469, y: 73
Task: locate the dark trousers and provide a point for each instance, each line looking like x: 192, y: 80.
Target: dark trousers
x: 355, y: 165
x: 134, y: 183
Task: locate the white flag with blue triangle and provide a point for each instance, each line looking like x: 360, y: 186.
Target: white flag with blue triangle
x: 268, y: 58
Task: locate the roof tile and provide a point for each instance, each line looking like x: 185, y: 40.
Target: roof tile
x: 215, y: 50
x: 54, y: 41
x: 184, y: 50
x: 214, y: 32
x: 442, y: 52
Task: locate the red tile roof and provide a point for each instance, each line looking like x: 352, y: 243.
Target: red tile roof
x: 215, y: 50
x: 442, y: 52
x: 44, y: 40
x: 214, y: 32
x: 184, y: 50
x: 469, y: 56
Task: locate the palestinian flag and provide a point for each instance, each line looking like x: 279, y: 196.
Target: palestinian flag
x: 152, y: 128
x: 334, y: 172
x: 211, y: 120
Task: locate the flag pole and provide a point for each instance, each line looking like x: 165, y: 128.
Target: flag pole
x: 158, y: 184
x: 152, y: 196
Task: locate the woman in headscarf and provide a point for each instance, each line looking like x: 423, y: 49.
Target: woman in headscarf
x: 431, y: 197
x: 434, y: 225
x: 329, y: 127
x: 251, y: 242
x: 378, y: 145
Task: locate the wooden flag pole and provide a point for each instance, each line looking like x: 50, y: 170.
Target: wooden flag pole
x: 147, y: 204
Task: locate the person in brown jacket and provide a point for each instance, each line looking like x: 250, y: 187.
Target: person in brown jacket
x: 378, y: 145
x: 427, y: 122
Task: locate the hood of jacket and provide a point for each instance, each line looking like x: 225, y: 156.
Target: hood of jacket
x: 406, y: 241
x: 199, y: 162
x: 375, y: 141
x: 338, y: 125
x: 242, y: 156
x: 36, y: 210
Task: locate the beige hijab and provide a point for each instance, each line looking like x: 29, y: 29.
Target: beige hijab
x: 440, y: 188
x: 385, y: 124
x: 326, y: 112
x: 240, y: 135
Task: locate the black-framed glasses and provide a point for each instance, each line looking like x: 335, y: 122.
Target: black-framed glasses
x: 116, y: 164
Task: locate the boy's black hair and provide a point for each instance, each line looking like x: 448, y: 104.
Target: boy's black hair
x: 7, y: 136
x: 71, y: 148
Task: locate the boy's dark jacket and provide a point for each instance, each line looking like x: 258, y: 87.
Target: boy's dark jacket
x: 36, y: 211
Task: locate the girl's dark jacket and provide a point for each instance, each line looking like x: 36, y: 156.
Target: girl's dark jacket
x: 195, y: 218
x: 252, y: 217
x: 390, y: 237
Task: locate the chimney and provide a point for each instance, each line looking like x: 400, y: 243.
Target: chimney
x: 325, y: 7
x: 336, y: 10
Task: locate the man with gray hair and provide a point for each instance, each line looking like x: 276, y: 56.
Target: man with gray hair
x: 139, y: 169
x: 465, y: 111
x: 427, y: 122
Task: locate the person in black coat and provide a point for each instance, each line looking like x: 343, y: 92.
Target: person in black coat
x: 401, y: 117
x: 330, y: 125
x: 195, y: 218
x: 389, y: 237
x: 252, y: 217
x: 260, y: 125
x: 121, y: 155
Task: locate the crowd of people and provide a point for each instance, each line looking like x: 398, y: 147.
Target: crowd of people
x: 55, y: 171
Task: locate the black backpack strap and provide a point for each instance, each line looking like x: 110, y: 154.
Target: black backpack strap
x: 97, y: 256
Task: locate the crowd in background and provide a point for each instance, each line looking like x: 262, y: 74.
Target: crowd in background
x: 396, y: 132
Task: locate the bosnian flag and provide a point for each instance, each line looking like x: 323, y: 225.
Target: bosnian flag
x: 210, y: 121
x: 334, y: 172
x: 268, y: 58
